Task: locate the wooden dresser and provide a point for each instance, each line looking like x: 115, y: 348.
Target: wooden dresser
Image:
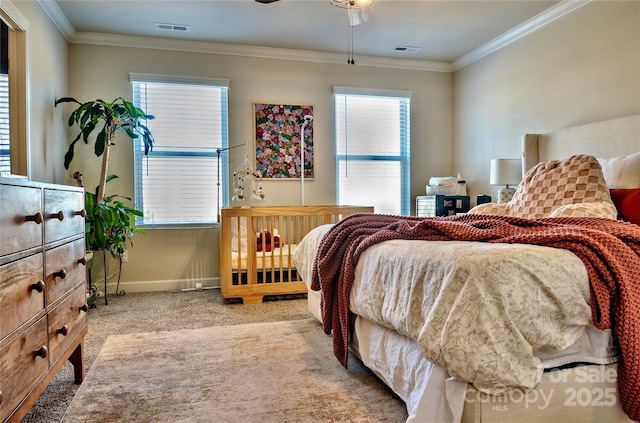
x: 43, y: 310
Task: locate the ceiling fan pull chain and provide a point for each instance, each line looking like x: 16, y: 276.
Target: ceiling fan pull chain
x: 348, y: 44
x: 351, y: 27
x: 350, y: 47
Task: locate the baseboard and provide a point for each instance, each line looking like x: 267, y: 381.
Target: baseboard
x: 165, y: 285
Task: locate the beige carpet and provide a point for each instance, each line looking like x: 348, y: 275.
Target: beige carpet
x: 155, y: 312
x: 260, y: 372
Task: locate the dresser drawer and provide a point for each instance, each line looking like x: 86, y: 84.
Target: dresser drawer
x: 22, y: 364
x: 66, y: 321
x: 20, y: 218
x: 21, y: 292
x: 63, y: 213
x: 63, y: 269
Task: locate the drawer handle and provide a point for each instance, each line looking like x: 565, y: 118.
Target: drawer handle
x: 59, y: 215
x: 62, y: 273
x: 64, y: 331
x: 82, y: 213
x: 34, y: 218
x: 0, y: 397
x: 38, y: 286
x: 82, y: 261
x: 42, y: 352
x: 84, y: 307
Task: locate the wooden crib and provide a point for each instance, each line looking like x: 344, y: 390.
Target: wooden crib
x: 256, y: 245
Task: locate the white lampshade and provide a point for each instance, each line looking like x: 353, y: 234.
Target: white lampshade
x: 506, y: 172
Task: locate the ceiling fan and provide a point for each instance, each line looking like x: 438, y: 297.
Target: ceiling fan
x: 358, y: 12
x: 346, y: 4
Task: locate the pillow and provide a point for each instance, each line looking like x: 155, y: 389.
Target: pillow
x: 627, y: 202
x: 622, y: 172
x: 491, y: 208
x: 596, y: 209
x: 549, y: 185
x: 239, y: 234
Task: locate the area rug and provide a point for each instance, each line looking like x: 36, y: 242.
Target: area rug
x: 263, y: 372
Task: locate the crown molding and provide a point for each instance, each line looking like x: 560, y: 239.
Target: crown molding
x: 533, y: 24
x: 64, y: 26
x: 252, y: 51
x: 58, y: 18
x: 54, y: 13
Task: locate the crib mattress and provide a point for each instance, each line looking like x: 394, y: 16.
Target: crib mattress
x: 276, y: 259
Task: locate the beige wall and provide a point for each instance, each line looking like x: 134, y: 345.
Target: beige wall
x: 46, y: 80
x: 176, y: 258
x: 581, y: 68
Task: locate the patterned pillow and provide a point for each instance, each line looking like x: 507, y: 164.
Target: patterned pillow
x: 597, y: 209
x: 494, y: 209
x: 561, y: 188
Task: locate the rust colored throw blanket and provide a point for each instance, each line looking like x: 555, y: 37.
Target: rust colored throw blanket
x: 609, y: 249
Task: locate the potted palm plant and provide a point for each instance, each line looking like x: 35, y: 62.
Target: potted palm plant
x: 109, y: 223
x: 119, y: 115
x: 108, y: 228
x: 109, y: 220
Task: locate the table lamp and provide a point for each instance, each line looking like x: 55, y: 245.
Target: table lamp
x: 505, y: 172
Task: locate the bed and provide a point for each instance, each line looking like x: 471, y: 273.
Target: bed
x: 256, y: 245
x: 573, y: 378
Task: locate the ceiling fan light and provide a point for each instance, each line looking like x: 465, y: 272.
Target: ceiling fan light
x: 358, y: 15
x: 349, y: 4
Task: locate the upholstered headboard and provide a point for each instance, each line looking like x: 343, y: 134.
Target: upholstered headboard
x: 616, y: 144
x: 610, y: 138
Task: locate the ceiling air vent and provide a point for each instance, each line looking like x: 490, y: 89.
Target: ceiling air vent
x: 407, y: 49
x: 172, y: 27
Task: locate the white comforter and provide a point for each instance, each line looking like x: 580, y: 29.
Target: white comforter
x: 483, y: 312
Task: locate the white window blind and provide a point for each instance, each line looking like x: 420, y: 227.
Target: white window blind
x: 5, y: 160
x: 372, y: 148
x: 5, y: 140
x: 177, y: 182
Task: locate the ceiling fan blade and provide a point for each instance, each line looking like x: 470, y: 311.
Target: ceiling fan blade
x: 266, y: 1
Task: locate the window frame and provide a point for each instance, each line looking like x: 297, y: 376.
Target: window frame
x: 18, y: 104
x: 404, y: 156
x: 219, y: 153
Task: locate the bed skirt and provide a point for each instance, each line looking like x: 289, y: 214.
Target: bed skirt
x: 586, y: 393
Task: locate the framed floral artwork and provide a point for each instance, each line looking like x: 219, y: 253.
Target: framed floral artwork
x: 279, y: 151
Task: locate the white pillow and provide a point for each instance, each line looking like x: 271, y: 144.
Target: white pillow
x: 622, y: 172
x: 239, y: 234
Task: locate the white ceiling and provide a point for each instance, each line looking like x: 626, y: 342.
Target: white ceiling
x: 445, y: 31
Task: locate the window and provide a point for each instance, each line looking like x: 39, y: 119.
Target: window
x: 372, y: 148
x: 177, y: 182
x: 15, y: 135
x: 5, y: 140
